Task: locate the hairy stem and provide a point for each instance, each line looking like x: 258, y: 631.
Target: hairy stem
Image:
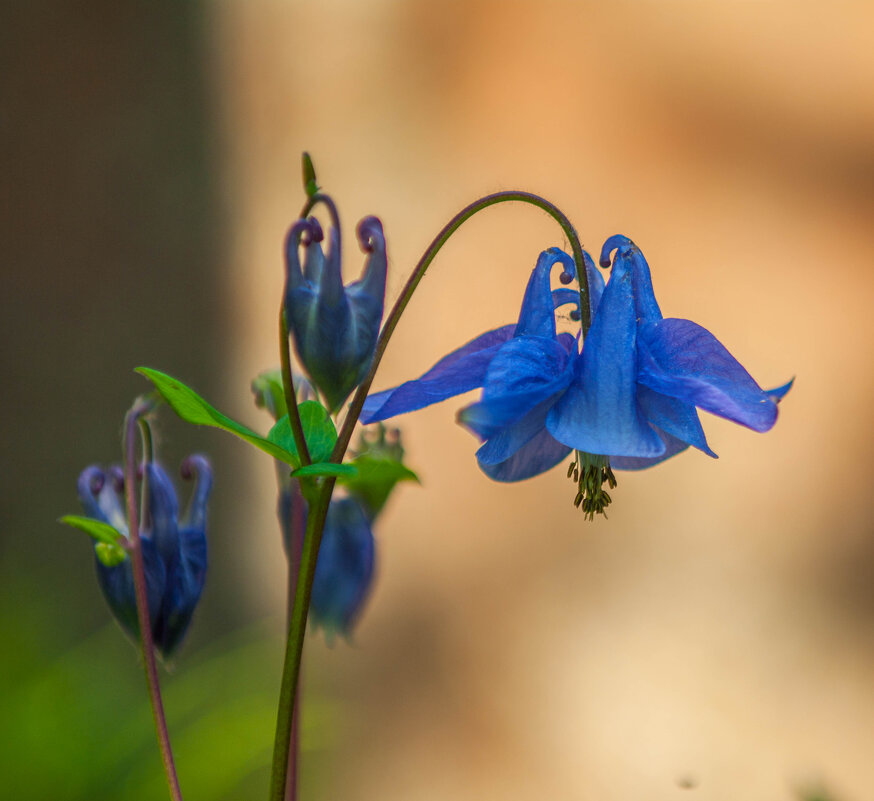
x: 142, y: 598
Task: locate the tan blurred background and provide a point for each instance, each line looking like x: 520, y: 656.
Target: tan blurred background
x: 718, y: 631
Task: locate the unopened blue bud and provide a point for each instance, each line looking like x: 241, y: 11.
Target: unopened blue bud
x: 335, y: 327
x: 344, y: 570
x: 174, y: 550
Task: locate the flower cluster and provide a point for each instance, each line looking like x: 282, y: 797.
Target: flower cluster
x: 626, y: 400
x: 174, y: 549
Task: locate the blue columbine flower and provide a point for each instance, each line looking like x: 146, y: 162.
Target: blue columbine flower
x: 628, y: 401
x: 523, y: 370
x: 174, y: 551
x: 641, y: 376
x: 335, y: 327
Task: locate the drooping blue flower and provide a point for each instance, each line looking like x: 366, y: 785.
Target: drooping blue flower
x: 639, y: 380
x: 335, y: 327
x: 523, y: 369
x: 628, y: 400
x: 174, y: 550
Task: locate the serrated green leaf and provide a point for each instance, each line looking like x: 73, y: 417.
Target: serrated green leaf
x: 318, y: 428
x: 325, y: 469
x: 194, y: 409
x: 96, y: 529
x: 375, y: 480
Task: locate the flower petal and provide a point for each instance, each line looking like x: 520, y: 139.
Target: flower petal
x: 526, y: 371
x: 672, y: 416
x: 645, y: 304
x: 537, y: 315
x: 599, y: 413
x: 537, y: 455
x: 779, y: 393
x: 673, y: 446
x: 163, y: 513
x: 461, y: 371
x: 681, y: 359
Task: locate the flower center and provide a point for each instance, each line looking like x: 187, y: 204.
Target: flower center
x: 590, y: 472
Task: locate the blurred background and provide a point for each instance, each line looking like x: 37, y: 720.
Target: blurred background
x: 713, y: 639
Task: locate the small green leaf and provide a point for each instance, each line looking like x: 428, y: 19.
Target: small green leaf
x: 110, y: 555
x: 97, y: 529
x: 269, y: 393
x: 325, y: 469
x: 309, y: 176
x: 194, y: 409
x: 318, y: 428
x: 375, y: 480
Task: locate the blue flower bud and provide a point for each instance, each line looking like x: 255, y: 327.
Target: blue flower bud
x: 344, y: 570
x: 335, y: 327
x: 174, y: 550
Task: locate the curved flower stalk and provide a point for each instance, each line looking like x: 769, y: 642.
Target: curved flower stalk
x: 174, y: 549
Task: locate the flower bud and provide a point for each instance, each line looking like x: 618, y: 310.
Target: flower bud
x: 335, y: 327
x: 174, y: 550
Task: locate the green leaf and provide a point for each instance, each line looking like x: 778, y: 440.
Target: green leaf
x: 97, y: 529
x: 269, y: 393
x: 309, y: 176
x: 375, y: 480
x: 194, y: 409
x: 110, y: 555
x: 325, y: 469
x: 319, y: 433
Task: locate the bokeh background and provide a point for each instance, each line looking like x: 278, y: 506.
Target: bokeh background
x: 714, y: 639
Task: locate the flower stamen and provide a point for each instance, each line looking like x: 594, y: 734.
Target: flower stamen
x: 590, y: 473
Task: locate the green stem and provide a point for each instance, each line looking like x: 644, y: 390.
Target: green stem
x: 142, y: 598
x: 319, y: 510
x: 288, y: 390
x: 294, y: 644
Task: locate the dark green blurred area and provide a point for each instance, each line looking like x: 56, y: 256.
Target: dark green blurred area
x: 112, y: 243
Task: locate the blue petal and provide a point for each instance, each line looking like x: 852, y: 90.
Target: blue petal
x: 644, y: 298
x: 163, y: 513
x: 185, y: 580
x: 461, y: 371
x: 100, y: 499
x: 344, y: 569
x: 673, y: 446
x: 537, y: 316
x: 526, y: 372
x: 117, y: 584
x: 599, y: 413
x: 779, y: 393
x: 681, y: 359
x: 674, y: 417
x: 537, y: 455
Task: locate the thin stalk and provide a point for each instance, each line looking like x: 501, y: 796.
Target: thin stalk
x: 297, y: 524
x: 294, y: 644
x: 319, y: 510
x: 142, y: 598
x: 288, y: 390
